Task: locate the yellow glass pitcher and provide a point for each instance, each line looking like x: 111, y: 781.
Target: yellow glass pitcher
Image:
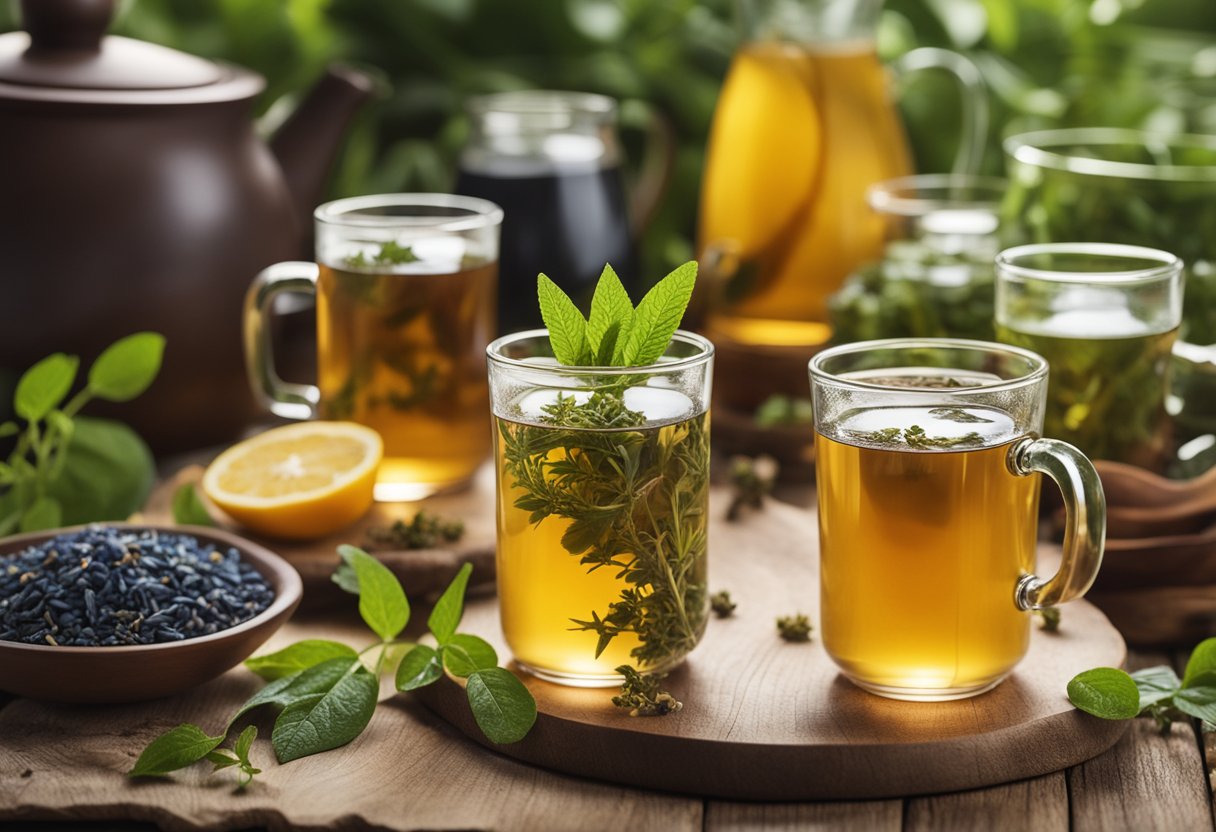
x: 805, y: 124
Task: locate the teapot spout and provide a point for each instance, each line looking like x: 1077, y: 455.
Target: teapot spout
x: 308, y: 141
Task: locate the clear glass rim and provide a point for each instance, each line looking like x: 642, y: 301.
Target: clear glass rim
x: 890, y: 196
x: 1032, y: 149
x: 347, y: 213
x: 1037, y: 375
x: 704, y: 352
x: 543, y: 103
x: 1170, y: 265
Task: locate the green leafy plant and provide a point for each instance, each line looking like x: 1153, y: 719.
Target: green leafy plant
x: 327, y: 691
x: 65, y: 469
x: 390, y: 254
x: 1157, y: 692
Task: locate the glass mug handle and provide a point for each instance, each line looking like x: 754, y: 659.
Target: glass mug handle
x: 1085, y: 524
x: 285, y: 399
x: 974, y: 100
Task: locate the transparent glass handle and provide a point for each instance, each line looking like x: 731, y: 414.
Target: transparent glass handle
x: 285, y: 399
x: 1085, y: 524
x: 974, y: 101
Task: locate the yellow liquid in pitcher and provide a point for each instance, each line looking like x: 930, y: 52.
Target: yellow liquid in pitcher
x: 404, y: 353
x: 920, y: 552
x: 798, y: 136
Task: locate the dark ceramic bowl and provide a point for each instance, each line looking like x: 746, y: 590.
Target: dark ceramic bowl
x: 131, y: 673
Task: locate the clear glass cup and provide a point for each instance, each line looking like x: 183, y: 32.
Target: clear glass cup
x: 935, y: 276
x: 603, y: 483
x: 405, y: 287
x: 927, y: 463
x: 1105, y: 317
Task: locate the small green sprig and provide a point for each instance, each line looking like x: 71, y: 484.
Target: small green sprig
x: 1157, y: 692
x: 796, y: 628
x: 390, y: 254
x: 327, y: 691
x: 423, y: 531
x: 722, y: 605
x: 915, y: 437
x: 643, y: 695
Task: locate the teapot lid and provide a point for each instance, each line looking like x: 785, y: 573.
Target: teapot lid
x: 64, y: 54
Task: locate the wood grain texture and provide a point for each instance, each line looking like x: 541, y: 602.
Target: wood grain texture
x: 407, y: 771
x: 1036, y: 805
x: 864, y: 816
x: 422, y: 572
x: 761, y: 714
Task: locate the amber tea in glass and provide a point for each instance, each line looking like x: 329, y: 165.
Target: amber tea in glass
x: 927, y: 472
x: 405, y: 288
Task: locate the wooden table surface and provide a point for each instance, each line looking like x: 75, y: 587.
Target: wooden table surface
x: 1146, y: 782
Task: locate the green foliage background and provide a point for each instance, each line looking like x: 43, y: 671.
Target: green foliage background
x: 1047, y: 62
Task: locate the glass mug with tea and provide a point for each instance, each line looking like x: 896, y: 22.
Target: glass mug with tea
x: 405, y: 287
x: 1105, y: 317
x: 602, y: 505
x: 928, y: 455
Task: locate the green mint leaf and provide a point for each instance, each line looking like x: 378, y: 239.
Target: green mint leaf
x: 107, y: 474
x: 1199, y: 702
x: 464, y: 654
x: 1155, y: 684
x: 504, y: 709
x: 449, y: 609
x: 1105, y: 692
x: 611, y: 318
x: 567, y: 326
x: 176, y: 748
x: 326, y: 720
x: 382, y: 601
x: 44, y: 386
x: 298, y: 686
x: 344, y: 576
x: 658, y: 316
x: 299, y: 656
x: 43, y: 513
x: 221, y: 760
x: 245, y: 742
x: 188, y: 508
x: 1202, y: 660
x: 127, y: 367
x: 419, y: 668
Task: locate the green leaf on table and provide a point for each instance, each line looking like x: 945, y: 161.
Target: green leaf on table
x: 301, y: 685
x: 326, y: 720
x: 1155, y: 684
x: 449, y: 609
x: 44, y: 513
x: 1202, y: 660
x: 174, y: 749
x: 1199, y: 702
x: 245, y: 742
x: 567, y: 326
x: 221, y: 759
x: 382, y: 601
x: 465, y: 654
x: 188, y: 508
x: 658, y: 316
x: 127, y: 367
x: 107, y: 474
x: 43, y: 386
x: 610, y: 320
x: 1105, y: 692
x: 419, y: 668
x: 504, y: 709
x: 299, y: 656
x: 344, y: 576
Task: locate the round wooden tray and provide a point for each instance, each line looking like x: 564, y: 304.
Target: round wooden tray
x: 767, y: 720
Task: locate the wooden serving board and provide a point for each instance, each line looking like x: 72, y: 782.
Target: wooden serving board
x: 768, y: 720
x: 422, y: 572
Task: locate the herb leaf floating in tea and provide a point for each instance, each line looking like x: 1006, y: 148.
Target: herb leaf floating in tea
x: 390, y: 254
x: 69, y: 470
x: 328, y: 691
x: 1156, y: 692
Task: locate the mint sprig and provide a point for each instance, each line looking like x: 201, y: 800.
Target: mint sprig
x: 327, y: 691
x: 1157, y: 692
x: 616, y: 334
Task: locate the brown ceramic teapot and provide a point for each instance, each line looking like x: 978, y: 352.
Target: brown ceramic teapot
x: 137, y: 196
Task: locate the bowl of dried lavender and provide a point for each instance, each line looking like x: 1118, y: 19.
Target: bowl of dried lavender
x: 123, y: 613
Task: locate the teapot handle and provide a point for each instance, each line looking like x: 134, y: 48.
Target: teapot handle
x: 974, y: 100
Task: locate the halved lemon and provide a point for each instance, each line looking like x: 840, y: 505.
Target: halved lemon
x: 300, y: 481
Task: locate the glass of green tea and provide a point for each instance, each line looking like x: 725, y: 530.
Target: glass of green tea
x: 1105, y: 317
x: 603, y: 483
x: 405, y: 287
x: 928, y: 453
